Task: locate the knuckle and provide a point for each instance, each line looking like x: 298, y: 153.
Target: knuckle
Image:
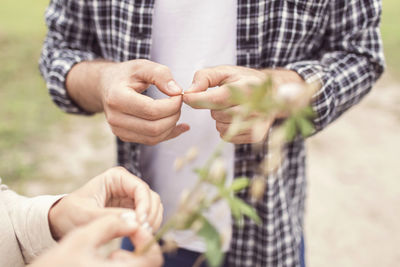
x: 155, y: 130
x: 161, y: 70
x: 112, y: 119
x: 111, y: 99
x: 215, y: 115
x: 116, y: 132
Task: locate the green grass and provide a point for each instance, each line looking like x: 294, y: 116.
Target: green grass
x: 391, y: 34
x: 26, y: 111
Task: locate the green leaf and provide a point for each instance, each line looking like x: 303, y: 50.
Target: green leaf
x: 239, y: 184
x: 305, y: 126
x: 290, y: 129
x: 202, y: 172
x: 307, y: 112
x: 235, y: 210
x: 247, y: 210
x: 209, y: 233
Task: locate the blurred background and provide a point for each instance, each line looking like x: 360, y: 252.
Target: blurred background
x: 353, y: 206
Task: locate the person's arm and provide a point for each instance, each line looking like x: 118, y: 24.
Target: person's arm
x: 351, y: 60
x: 39, y: 221
x: 69, y: 41
x: 81, y: 82
x: 29, y: 217
x: 350, y: 63
x: 81, y: 247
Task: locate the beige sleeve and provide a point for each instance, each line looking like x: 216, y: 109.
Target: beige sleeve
x: 29, y: 217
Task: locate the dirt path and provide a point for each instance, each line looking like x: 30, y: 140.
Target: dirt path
x: 353, y: 213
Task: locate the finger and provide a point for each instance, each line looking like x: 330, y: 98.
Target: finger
x: 177, y: 131
x: 123, y: 258
x: 155, y: 205
x: 217, y: 98
x: 121, y: 255
x: 224, y: 116
x: 120, y: 183
x: 223, y: 129
x: 101, y: 231
x: 207, y: 78
x: 130, y: 136
x: 243, y: 139
x: 130, y: 102
x: 160, y: 76
x: 103, y: 212
x: 142, y: 126
x: 159, y: 219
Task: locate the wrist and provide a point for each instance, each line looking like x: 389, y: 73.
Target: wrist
x: 84, y: 84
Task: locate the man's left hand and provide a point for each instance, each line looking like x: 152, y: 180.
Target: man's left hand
x: 219, y: 102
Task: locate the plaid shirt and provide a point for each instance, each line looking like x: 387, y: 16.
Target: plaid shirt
x: 336, y: 41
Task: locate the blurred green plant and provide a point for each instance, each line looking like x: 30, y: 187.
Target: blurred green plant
x: 391, y: 34
x: 292, y: 100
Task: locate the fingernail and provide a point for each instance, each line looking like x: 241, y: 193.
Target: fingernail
x: 174, y: 88
x: 129, y: 218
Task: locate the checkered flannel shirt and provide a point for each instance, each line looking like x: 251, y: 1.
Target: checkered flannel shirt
x: 336, y: 41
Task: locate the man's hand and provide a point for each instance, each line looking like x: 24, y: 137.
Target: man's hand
x: 80, y: 247
x: 218, y: 100
x: 117, y: 89
x: 114, y: 192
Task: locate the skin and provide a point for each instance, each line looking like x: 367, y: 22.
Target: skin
x: 116, y: 88
x: 218, y: 100
x: 112, y: 193
x: 80, y: 247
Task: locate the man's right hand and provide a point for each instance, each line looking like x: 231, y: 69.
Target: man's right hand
x: 116, y: 89
x: 134, y: 117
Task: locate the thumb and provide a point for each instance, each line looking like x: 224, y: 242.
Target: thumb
x: 102, y: 212
x: 207, y: 78
x: 160, y: 76
x: 102, y: 230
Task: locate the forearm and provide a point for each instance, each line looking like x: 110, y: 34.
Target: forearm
x: 29, y: 217
x: 83, y: 84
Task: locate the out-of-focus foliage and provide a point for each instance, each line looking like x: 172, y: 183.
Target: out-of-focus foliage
x: 26, y: 111
x: 391, y: 34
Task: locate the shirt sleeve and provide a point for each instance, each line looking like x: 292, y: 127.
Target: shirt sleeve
x: 69, y: 41
x: 29, y: 217
x: 351, y: 59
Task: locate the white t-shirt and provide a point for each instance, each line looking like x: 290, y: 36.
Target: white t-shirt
x: 189, y: 35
